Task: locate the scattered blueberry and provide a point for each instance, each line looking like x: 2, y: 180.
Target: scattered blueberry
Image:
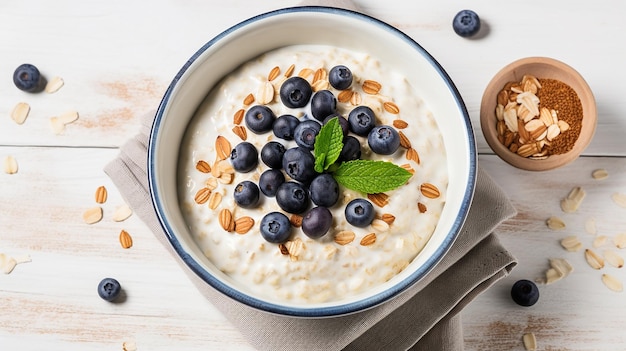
x: 275, y: 227
x: 323, y: 104
x: 292, y: 197
x: 525, y: 293
x: 244, y: 157
x: 299, y: 164
x: 361, y: 120
x: 306, y: 132
x: 359, y: 213
x: 272, y: 154
x: 345, y: 128
x: 351, y: 149
x: 260, y: 119
x: 295, y: 92
x: 27, y: 78
x: 324, y: 190
x: 340, y: 77
x: 109, y: 289
x: 285, y: 127
x: 270, y: 180
x: 383, y: 140
x: 246, y: 194
x: 316, y: 222
x: 466, y: 23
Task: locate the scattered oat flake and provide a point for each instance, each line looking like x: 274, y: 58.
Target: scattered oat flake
x: 129, y: 346
x: 530, y: 341
x: 7, y: 263
x: 54, y: 85
x: 122, y: 213
x: 613, y: 258
x: 555, y: 223
x: 20, y: 112
x: 612, y: 283
x: 619, y: 199
x: 600, y: 174
x: 594, y: 260
x: 10, y: 165
x: 620, y: 240
x: 573, y: 200
x: 600, y: 241
x: 571, y: 243
x: 68, y: 117
x: 93, y: 215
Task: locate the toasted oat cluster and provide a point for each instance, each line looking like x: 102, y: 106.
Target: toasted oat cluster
x: 346, y: 259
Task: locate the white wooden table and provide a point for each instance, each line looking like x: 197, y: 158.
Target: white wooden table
x: 116, y: 59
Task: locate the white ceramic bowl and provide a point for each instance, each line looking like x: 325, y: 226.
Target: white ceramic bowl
x: 310, y: 25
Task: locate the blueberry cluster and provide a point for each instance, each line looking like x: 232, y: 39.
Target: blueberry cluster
x: 298, y: 163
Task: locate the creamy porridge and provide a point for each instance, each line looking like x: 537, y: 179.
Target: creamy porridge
x: 347, y: 260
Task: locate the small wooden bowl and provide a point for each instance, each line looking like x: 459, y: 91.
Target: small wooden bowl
x: 540, y: 67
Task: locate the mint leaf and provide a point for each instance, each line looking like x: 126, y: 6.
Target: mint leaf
x: 371, y: 177
x: 328, y: 145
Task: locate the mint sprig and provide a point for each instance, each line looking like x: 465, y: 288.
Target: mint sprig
x: 328, y: 145
x: 371, y: 177
x: 365, y: 176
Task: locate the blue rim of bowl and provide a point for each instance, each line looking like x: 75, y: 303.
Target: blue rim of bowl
x: 323, y: 311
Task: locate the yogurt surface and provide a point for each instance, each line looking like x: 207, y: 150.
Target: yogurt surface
x: 305, y: 270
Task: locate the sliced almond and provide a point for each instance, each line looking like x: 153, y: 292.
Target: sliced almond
x: 289, y: 70
x: 571, y: 243
x: 573, y: 200
x: 368, y: 240
x: 54, y: 85
x: 371, y: 87
x: 619, y: 199
x: 68, y: 117
x: 10, y: 165
x: 612, y: 283
x: 412, y: 155
x: 225, y: 218
x: 555, y: 223
x: 20, y: 112
x: 222, y: 147
x: 344, y: 237
x: 241, y: 132
x: 553, y: 132
x: 534, y: 124
x: 421, y: 207
x: 503, y: 97
x: 7, y: 263
x: 430, y: 190
x: 379, y: 199
x: 593, y: 259
x: 243, y: 224
x: 202, y: 196
x: 273, y: 73
x: 600, y: 174
x: 530, y: 101
x: 530, y: 341
x: 248, y: 100
x: 122, y: 213
x: 203, y: 166
x: 620, y: 240
x: 391, y: 107
x: 388, y: 218
x: 125, y: 239
x: 613, y: 258
x: 344, y: 96
x: 404, y: 140
x: 563, y: 126
x: 238, y: 116
x: 101, y: 194
x: 93, y: 215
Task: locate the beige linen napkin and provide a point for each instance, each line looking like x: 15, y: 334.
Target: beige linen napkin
x: 424, y: 317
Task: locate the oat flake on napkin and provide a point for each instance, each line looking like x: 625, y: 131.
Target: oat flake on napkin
x: 424, y: 317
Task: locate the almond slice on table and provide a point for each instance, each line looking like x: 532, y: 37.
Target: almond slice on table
x: 122, y: 213
x: 593, y: 259
x: 10, y: 165
x: 613, y: 258
x: 54, y: 85
x: 92, y: 215
x: 612, y: 283
x: 20, y: 112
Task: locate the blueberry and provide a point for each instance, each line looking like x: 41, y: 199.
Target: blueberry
x: 340, y: 77
x: 285, y: 127
x: 270, y: 180
x: 323, y: 104
x: 306, y: 132
x: 260, y: 119
x: 109, y: 289
x: 383, y: 140
x: 525, y: 293
x: 244, y: 157
x: 351, y: 149
x: 295, y: 92
x: 246, y: 194
x: 359, y: 213
x: 345, y: 128
x: 324, y: 190
x: 272, y: 154
x: 27, y: 78
x: 466, y: 23
x: 361, y: 120
x: 299, y: 164
x: 275, y: 227
x: 316, y: 222
x: 292, y: 197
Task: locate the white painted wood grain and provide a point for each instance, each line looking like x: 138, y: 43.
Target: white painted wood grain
x: 117, y: 58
